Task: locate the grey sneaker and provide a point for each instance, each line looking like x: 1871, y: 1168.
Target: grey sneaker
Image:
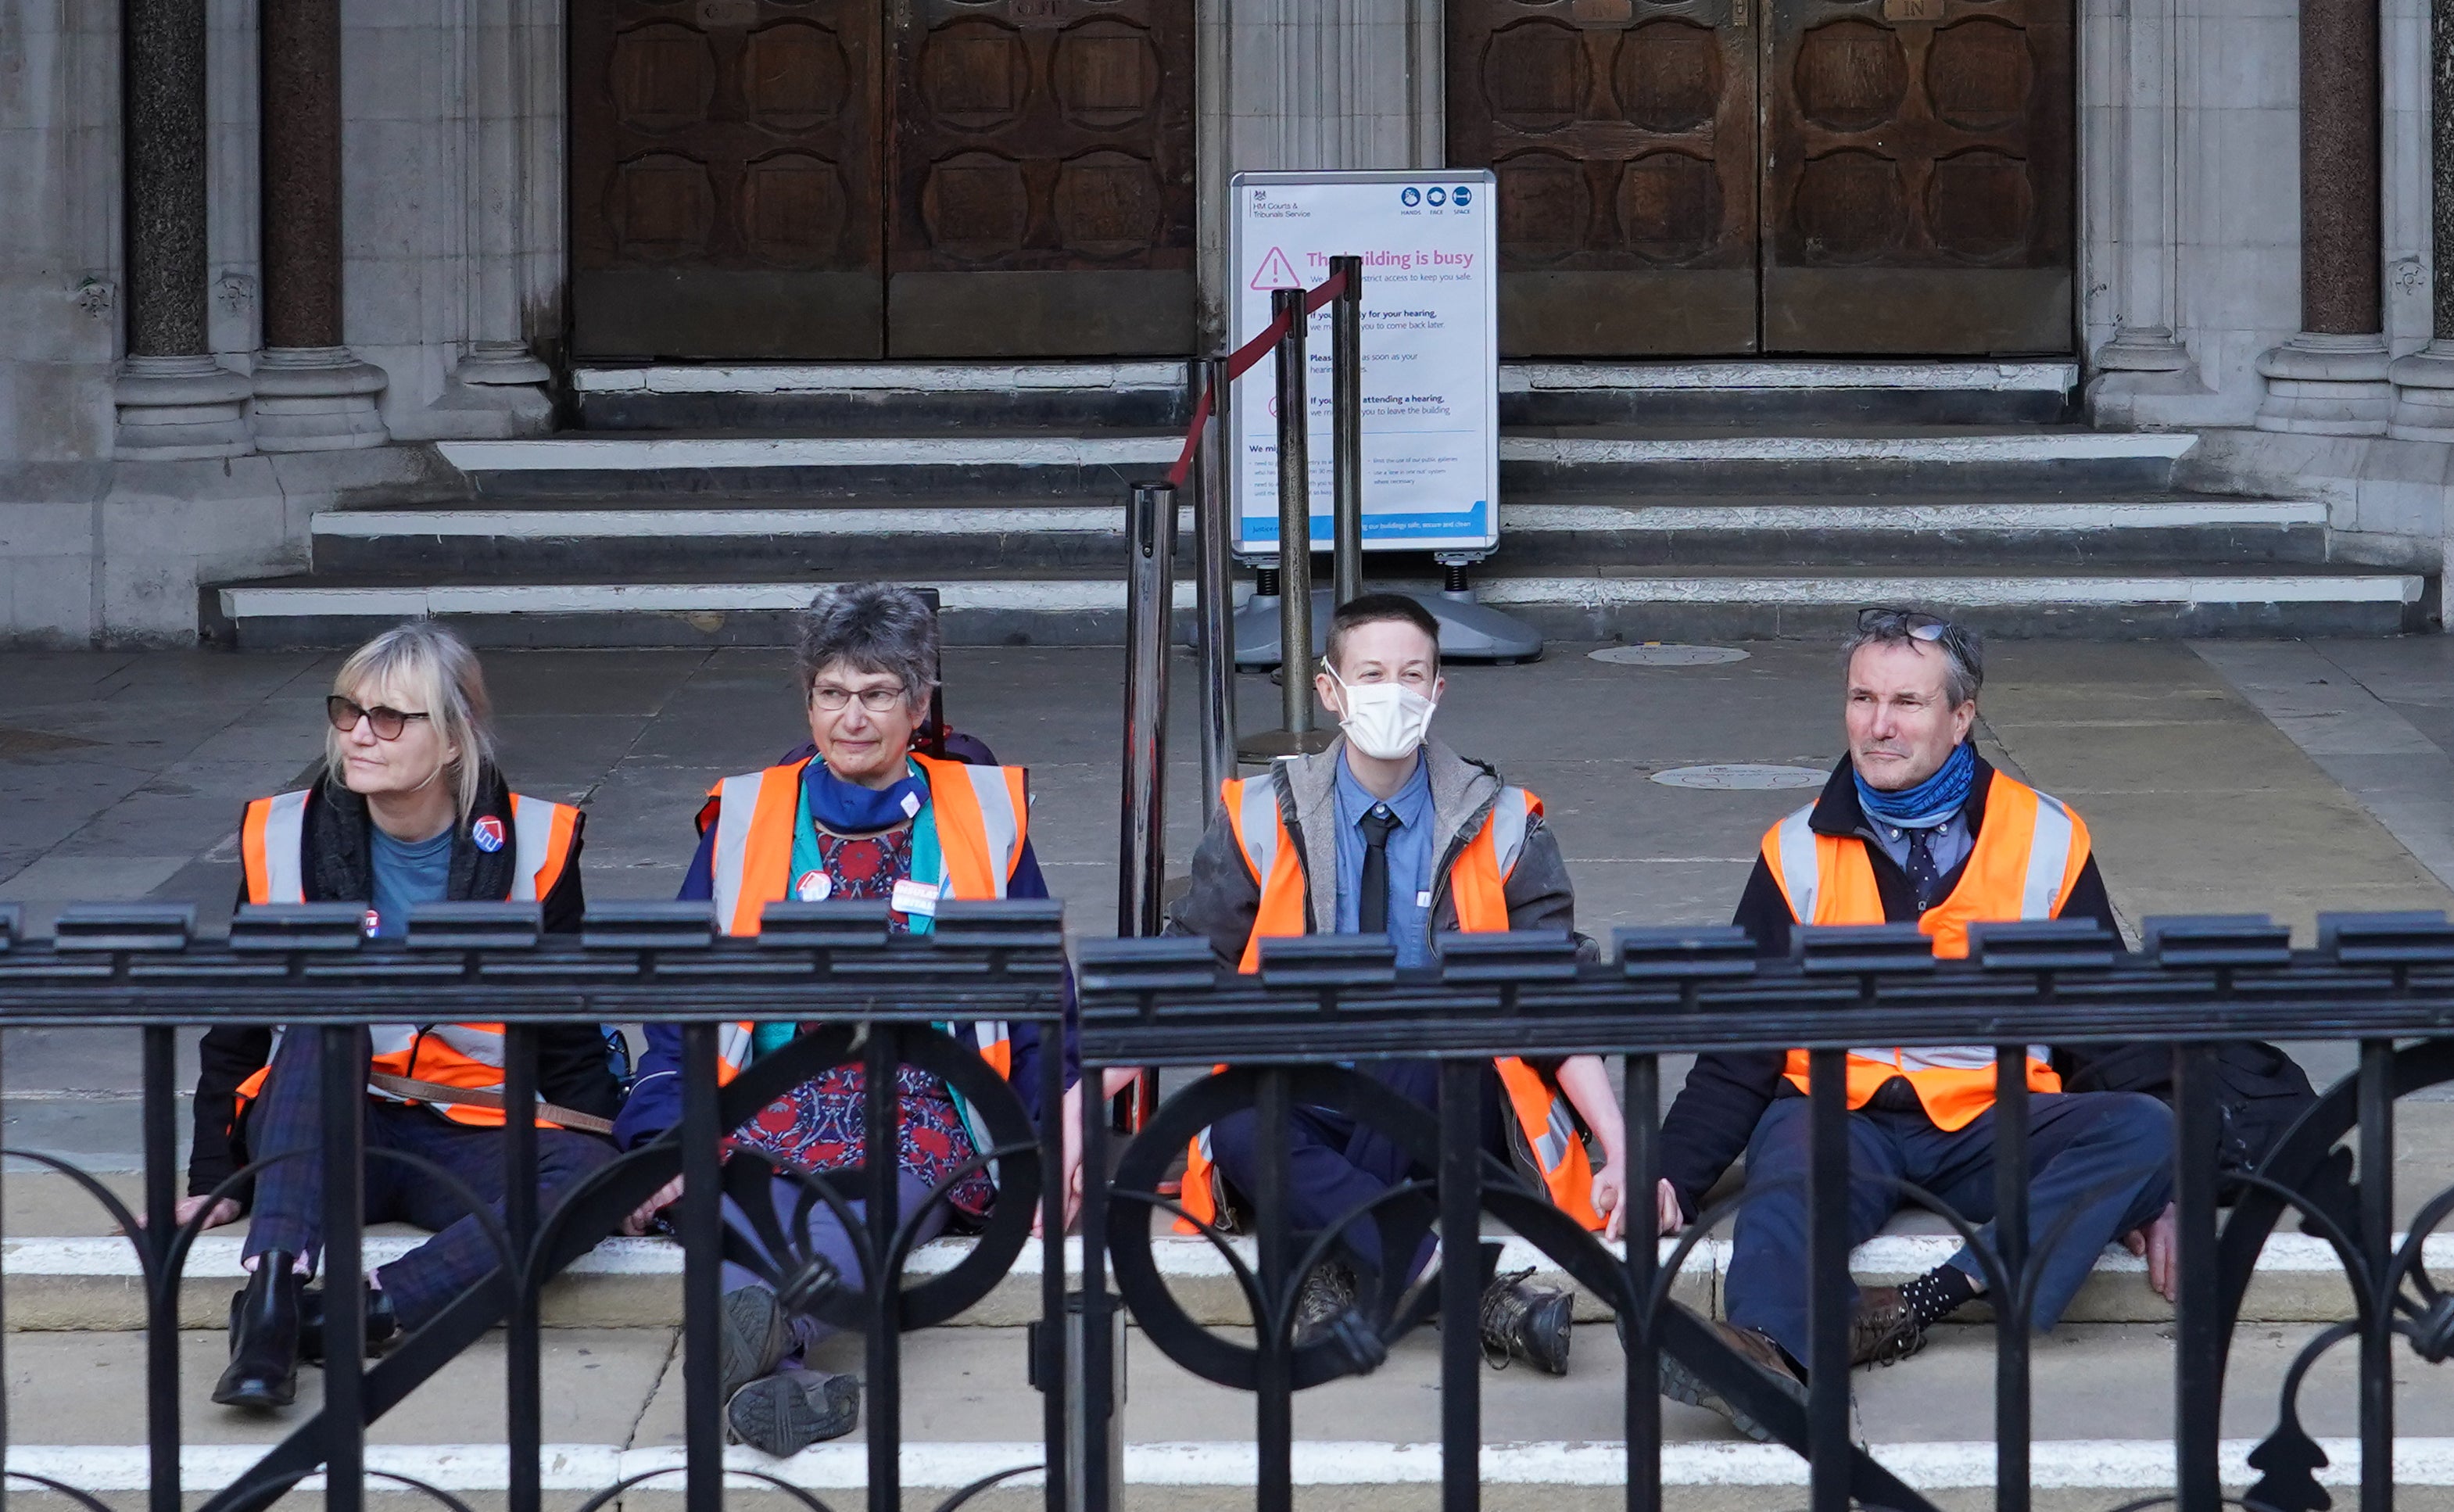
x: 1680, y: 1384
x: 752, y: 1335
x: 785, y: 1413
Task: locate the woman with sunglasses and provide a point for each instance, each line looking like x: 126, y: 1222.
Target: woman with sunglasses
x: 409, y: 810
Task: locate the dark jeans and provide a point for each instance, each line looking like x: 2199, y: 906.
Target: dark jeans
x: 290, y: 1196
x: 2103, y: 1159
x: 823, y: 1236
x: 1335, y: 1164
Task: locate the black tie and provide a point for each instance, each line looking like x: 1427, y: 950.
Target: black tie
x: 1371, y: 905
x: 1922, y: 879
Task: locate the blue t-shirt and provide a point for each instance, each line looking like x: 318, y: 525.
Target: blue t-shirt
x: 407, y: 871
x: 1410, y: 860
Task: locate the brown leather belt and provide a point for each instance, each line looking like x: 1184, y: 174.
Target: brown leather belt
x: 483, y: 1097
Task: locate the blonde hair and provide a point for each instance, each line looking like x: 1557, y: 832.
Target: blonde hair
x: 435, y: 668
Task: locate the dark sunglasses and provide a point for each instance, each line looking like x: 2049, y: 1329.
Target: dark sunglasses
x: 388, y: 723
x: 1913, y: 623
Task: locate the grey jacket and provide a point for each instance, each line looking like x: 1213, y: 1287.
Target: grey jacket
x: 1225, y: 896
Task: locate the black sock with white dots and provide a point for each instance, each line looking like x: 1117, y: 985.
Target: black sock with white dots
x: 1938, y: 1294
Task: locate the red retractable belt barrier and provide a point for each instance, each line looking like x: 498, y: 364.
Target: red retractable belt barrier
x: 1241, y: 363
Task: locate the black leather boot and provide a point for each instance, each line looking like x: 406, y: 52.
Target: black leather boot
x: 383, y: 1324
x: 263, y: 1371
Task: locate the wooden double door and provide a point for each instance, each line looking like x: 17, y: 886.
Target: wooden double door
x: 816, y: 179
x: 1690, y: 177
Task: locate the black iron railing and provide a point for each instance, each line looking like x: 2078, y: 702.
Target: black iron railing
x: 1315, y: 1003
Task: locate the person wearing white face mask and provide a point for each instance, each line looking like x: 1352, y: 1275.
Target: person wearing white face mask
x: 1391, y: 832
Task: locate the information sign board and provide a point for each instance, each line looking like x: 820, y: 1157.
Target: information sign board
x: 1430, y: 351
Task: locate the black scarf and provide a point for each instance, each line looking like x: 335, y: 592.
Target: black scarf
x: 339, y: 863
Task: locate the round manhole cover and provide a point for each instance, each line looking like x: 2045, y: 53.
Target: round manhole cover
x: 1730, y: 777
x: 1655, y: 653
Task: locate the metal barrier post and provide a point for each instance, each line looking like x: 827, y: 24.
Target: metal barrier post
x: 1213, y: 587
x: 1298, y: 737
x: 1150, y: 594
x: 1346, y: 429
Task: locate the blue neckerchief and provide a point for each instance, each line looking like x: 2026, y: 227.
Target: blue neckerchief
x: 1931, y: 801
x: 847, y: 808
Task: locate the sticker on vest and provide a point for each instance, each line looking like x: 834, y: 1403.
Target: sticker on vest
x: 914, y: 897
x: 374, y: 923
x: 487, y: 833
x: 813, y: 887
x: 912, y: 805
x: 1423, y: 899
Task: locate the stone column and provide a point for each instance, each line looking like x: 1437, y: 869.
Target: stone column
x: 2423, y: 394
x: 174, y: 400
x: 2331, y: 379
x: 511, y: 43
x: 2143, y: 276
x: 310, y: 394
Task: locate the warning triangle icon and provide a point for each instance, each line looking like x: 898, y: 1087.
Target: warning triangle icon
x: 1276, y: 273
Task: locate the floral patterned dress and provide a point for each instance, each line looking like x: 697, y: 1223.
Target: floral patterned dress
x: 819, y: 1125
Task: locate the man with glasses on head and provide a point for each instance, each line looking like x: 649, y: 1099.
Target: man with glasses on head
x: 1914, y: 827
x: 1390, y: 833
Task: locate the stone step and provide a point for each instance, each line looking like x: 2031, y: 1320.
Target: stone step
x: 752, y: 537
x: 94, y: 1283
x: 2104, y: 1409
x: 1644, y: 460
x: 811, y: 399
x: 1598, y: 604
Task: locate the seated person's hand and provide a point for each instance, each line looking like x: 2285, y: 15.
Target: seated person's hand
x: 2161, y: 1243
x: 645, y: 1214
x: 1671, y: 1215
x: 1610, y: 1198
x: 217, y: 1211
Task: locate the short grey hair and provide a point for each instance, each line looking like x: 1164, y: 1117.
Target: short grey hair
x: 1962, y: 648
x: 871, y: 628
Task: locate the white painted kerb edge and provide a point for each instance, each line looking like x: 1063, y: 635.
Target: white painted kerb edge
x: 1054, y: 595
x: 2069, y: 1463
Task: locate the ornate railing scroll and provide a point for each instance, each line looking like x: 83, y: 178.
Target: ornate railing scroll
x: 875, y: 998
x: 1320, y: 1004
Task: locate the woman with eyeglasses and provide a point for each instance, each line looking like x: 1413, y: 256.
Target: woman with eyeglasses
x: 866, y: 818
x: 409, y: 810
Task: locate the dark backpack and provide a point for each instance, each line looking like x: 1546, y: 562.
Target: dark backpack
x: 2260, y: 1089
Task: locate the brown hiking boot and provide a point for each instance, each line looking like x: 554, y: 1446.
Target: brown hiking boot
x: 1680, y: 1384
x: 1883, y: 1331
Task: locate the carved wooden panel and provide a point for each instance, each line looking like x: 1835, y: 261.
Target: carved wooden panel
x: 1918, y: 176
x: 1041, y: 177
x: 725, y: 176
x: 1623, y: 136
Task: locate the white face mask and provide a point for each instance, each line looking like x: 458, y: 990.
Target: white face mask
x: 1386, y: 720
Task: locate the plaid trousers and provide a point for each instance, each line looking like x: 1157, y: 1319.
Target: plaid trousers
x: 413, y: 1154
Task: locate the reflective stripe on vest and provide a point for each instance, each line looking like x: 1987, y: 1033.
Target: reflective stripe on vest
x: 1478, y: 887
x: 273, y: 843
x: 983, y: 819
x: 2028, y: 855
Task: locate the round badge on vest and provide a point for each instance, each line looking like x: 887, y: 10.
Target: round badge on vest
x: 813, y: 887
x: 487, y: 833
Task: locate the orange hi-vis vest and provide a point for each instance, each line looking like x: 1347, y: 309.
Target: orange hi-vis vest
x: 272, y: 845
x: 1478, y: 883
x: 983, y: 817
x: 2028, y: 856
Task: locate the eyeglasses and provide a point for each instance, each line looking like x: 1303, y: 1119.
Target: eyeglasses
x: 1917, y: 624
x: 877, y: 700
x: 388, y: 723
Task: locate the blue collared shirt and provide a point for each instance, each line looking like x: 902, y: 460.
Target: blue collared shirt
x: 1410, y: 860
